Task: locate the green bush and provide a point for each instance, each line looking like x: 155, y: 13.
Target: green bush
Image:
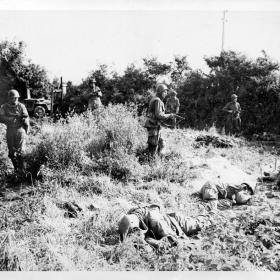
x: 105, y: 141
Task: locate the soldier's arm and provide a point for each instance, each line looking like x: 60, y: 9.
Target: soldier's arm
x: 25, y: 118
x: 159, y: 113
x: 239, y: 108
x: 227, y: 108
x: 24, y: 111
x: 5, y: 119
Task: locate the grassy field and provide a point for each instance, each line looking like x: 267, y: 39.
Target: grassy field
x: 93, y: 160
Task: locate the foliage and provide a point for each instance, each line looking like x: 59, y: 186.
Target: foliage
x: 103, y: 141
x: 254, y: 81
x: 12, y: 54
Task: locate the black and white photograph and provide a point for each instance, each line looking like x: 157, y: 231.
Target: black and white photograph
x: 139, y: 136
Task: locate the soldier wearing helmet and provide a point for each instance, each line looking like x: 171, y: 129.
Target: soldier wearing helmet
x: 14, y: 114
x: 95, y: 94
x: 155, y: 117
x: 233, y: 120
x: 173, y: 105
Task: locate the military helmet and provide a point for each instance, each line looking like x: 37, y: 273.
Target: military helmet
x: 92, y: 80
x: 233, y: 96
x: 173, y: 92
x: 126, y: 223
x: 160, y: 88
x: 242, y: 197
x: 13, y: 93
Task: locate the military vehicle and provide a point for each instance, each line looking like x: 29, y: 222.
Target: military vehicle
x: 40, y: 107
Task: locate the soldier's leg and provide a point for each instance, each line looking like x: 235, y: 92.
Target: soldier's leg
x: 230, y: 126
x: 160, y: 145
x: 11, y: 147
x: 153, y: 140
x: 20, y: 139
x: 238, y: 124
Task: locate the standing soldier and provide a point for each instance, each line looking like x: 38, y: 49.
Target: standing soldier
x: 94, y: 101
x: 15, y: 116
x: 172, y: 106
x: 155, y: 116
x: 233, y: 121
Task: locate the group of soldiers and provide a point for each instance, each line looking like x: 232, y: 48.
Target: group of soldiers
x: 154, y: 225
x: 159, y: 114
x: 14, y: 114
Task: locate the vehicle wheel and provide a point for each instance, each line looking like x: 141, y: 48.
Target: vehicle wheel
x: 39, y: 112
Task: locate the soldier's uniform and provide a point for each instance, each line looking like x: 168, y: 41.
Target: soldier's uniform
x: 155, y: 116
x: 156, y: 225
x: 94, y: 101
x: 240, y: 194
x: 172, y: 106
x: 233, y: 120
x: 16, y: 119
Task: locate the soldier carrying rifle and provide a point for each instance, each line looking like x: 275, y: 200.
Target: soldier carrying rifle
x: 155, y: 118
x: 15, y: 116
x: 233, y: 120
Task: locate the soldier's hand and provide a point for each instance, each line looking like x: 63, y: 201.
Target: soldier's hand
x: 172, y: 116
x: 27, y: 130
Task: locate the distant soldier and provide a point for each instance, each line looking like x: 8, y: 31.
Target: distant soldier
x: 173, y: 105
x: 15, y: 116
x: 94, y: 101
x: 233, y: 121
x: 155, y: 117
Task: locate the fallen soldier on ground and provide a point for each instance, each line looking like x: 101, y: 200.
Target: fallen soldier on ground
x: 156, y: 226
x: 271, y: 177
x: 237, y: 194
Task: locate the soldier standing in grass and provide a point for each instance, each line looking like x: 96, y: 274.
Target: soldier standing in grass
x: 94, y: 101
x: 155, y: 117
x: 14, y: 114
x: 233, y: 120
x: 172, y: 106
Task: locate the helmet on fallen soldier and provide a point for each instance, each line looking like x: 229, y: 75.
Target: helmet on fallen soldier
x: 128, y: 223
x: 242, y: 197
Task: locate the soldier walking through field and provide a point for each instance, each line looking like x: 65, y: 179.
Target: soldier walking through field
x: 233, y: 120
x: 155, y: 118
x: 14, y: 114
x: 94, y: 101
x: 172, y: 106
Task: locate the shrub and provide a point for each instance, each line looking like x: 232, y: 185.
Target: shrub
x: 105, y: 141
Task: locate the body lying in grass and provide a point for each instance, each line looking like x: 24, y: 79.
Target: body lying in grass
x: 273, y: 177
x: 238, y: 194
x: 155, y: 225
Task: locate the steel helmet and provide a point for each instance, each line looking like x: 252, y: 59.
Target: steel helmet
x: 233, y: 96
x: 173, y: 92
x: 161, y: 88
x: 92, y: 80
x: 13, y: 93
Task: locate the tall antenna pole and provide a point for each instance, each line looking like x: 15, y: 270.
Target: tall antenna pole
x: 223, y: 31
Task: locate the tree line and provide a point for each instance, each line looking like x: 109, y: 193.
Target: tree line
x: 202, y: 95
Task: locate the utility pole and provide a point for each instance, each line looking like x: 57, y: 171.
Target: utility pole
x: 223, y: 30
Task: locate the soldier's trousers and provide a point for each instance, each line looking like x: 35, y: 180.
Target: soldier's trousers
x: 233, y: 125
x: 16, y: 138
x: 155, y: 141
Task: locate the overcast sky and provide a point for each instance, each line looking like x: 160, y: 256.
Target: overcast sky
x: 74, y: 40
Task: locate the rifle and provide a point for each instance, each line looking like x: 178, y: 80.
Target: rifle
x: 178, y: 117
